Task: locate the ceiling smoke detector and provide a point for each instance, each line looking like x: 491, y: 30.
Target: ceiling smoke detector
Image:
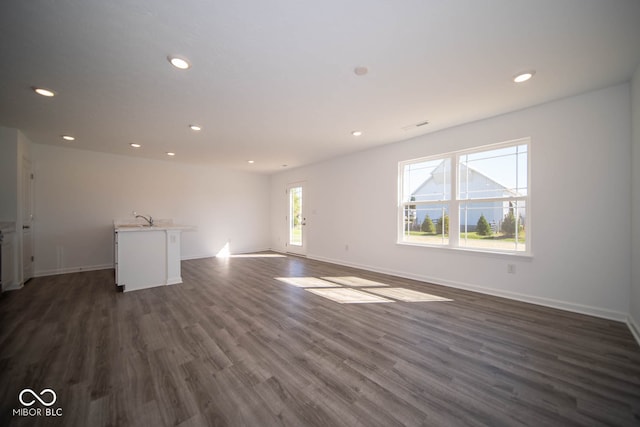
x: 360, y: 71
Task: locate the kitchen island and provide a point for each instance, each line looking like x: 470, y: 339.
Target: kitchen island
x: 147, y: 256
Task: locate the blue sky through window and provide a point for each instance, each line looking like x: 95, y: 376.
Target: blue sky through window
x: 507, y: 166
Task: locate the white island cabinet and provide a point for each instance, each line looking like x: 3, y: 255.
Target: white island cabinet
x: 146, y: 257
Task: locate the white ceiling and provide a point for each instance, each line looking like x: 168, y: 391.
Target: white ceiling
x: 273, y: 81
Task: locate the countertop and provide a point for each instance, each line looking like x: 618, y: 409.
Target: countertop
x: 160, y: 227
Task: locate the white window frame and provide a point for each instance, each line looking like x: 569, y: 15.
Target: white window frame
x: 455, y: 202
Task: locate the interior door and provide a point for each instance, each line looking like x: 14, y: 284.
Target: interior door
x: 296, y: 220
x: 27, y: 220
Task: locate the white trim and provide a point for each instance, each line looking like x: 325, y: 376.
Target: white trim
x: 13, y: 287
x: 454, y: 202
x: 634, y: 328
x: 66, y: 270
x: 521, y: 255
x: 295, y: 248
x: 546, y: 302
x: 57, y: 271
x: 201, y: 256
x: 213, y: 255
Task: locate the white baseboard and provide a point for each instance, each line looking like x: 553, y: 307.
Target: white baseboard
x: 546, y: 302
x: 66, y: 270
x: 190, y: 257
x: 12, y: 287
x: 634, y: 328
x: 238, y: 252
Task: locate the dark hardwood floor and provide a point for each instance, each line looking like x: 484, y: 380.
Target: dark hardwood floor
x: 234, y: 346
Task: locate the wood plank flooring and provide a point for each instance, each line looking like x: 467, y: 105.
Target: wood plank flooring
x: 233, y: 346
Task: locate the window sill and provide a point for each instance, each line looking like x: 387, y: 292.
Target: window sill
x: 525, y: 256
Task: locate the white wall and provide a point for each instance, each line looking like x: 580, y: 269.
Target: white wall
x: 579, y: 218
x: 635, y: 201
x: 79, y: 193
x: 8, y: 174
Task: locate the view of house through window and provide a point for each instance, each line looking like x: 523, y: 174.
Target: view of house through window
x: 474, y: 199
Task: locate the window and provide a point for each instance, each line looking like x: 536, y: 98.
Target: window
x: 474, y: 199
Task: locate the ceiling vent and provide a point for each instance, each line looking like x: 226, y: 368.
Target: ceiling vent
x: 416, y: 125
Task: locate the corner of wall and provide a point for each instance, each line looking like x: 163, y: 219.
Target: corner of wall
x: 634, y: 298
x: 634, y: 327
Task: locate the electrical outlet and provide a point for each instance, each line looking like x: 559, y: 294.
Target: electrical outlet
x: 511, y: 268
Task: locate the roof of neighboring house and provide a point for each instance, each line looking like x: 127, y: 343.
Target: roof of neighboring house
x: 440, y: 170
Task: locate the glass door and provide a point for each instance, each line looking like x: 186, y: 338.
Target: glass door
x: 296, y: 219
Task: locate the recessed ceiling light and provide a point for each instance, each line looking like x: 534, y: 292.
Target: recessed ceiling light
x: 356, y: 133
x: 523, y: 77
x: 44, y: 92
x: 178, y: 62
x: 171, y: 154
x: 195, y: 127
x: 135, y: 145
x: 68, y: 138
x: 251, y: 161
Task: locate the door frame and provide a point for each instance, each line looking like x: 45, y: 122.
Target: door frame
x: 291, y: 248
x: 26, y: 220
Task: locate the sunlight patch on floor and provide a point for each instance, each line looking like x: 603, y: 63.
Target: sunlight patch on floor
x: 307, y: 282
x: 406, y: 295
x: 348, y: 296
x: 354, y: 281
x: 340, y: 290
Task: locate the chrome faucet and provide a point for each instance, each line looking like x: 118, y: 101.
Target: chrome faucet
x: 149, y: 220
